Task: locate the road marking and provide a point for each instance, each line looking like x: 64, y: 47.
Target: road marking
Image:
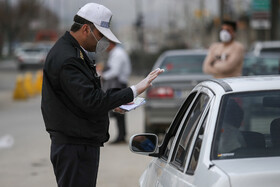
x: 6, y: 141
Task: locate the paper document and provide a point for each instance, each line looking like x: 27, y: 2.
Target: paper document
x: 138, y: 101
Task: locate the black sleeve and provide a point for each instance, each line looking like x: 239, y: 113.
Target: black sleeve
x: 83, y: 92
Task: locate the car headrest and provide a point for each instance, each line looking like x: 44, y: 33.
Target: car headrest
x: 272, y: 101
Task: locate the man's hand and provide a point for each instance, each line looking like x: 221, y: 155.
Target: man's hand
x: 119, y: 110
x: 147, y: 82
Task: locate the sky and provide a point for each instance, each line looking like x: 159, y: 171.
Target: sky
x: 157, y: 14
x: 125, y: 11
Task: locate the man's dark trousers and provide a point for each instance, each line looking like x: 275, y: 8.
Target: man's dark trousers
x: 121, y: 126
x: 120, y: 121
x: 75, y: 165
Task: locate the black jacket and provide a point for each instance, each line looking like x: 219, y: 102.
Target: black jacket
x: 74, y: 107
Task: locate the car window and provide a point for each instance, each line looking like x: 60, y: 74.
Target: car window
x: 182, y: 64
x: 196, y: 148
x: 248, y: 126
x: 33, y: 50
x: 261, y: 66
x: 182, y: 147
x: 171, y: 132
x: 270, y: 50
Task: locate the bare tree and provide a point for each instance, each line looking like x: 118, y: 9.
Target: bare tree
x: 22, y: 21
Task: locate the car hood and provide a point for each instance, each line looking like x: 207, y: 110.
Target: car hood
x: 255, y: 172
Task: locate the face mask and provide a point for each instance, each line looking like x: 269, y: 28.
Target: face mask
x: 101, y: 45
x: 225, y: 36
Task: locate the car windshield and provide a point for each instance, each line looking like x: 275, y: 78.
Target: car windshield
x: 248, y: 126
x: 261, y: 65
x: 183, y: 64
x: 33, y: 50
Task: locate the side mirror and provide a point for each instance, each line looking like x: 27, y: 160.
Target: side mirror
x: 145, y: 143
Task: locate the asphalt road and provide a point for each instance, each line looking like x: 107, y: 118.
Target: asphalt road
x: 25, y: 145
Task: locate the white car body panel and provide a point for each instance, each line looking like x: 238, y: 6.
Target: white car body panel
x: 257, y: 172
x: 242, y: 172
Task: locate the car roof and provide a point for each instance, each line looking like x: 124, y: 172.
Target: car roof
x: 248, y: 83
x: 267, y: 43
x: 258, y: 46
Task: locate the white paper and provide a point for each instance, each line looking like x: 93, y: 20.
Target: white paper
x: 138, y: 101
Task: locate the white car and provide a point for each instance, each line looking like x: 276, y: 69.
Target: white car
x: 226, y: 134
x: 32, y: 54
x: 265, y: 47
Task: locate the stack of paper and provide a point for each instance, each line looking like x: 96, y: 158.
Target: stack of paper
x: 138, y: 101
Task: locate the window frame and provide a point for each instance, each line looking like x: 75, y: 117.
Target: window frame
x: 203, y: 121
x: 210, y: 94
x: 176, y: 124
x: 223, y: 100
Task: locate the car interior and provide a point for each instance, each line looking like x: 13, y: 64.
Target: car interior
x: 259, y: 132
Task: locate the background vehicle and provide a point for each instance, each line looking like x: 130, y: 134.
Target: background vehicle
x: 265, y: 47
x: 261, y: 65
x: 183, y: 70
x: 32, y: 54
x: 226, y: 134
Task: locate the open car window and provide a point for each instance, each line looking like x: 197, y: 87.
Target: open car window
x: 171, y: 132
x: 181, y: 150
x: 197, y: 147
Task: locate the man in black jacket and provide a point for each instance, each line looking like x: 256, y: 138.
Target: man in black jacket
x: 74, y: 107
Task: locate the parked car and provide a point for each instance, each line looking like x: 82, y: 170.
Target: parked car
x: 265, y: 47
x: 183, y: 70
x: 32, y: 54
x: 226, y: 134
x: 261, y: 65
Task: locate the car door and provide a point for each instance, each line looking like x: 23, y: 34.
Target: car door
x: 153, y: 172
x: 181, y: 165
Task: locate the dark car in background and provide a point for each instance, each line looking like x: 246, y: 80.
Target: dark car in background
x: 183, y: 70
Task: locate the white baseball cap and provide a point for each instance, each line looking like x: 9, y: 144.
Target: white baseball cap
x: 101, y: 17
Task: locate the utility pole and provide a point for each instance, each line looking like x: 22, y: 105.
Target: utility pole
x: 8, y: 30
x: 202, y: 9
x: 274, y: 19
x: 139, y: 24
x: 222, y: 5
